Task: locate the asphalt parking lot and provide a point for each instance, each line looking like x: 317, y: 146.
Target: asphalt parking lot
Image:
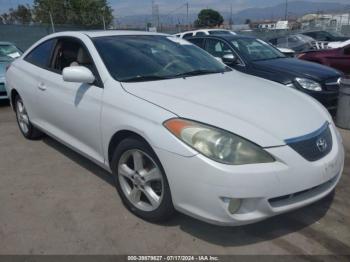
x: 53, y: 201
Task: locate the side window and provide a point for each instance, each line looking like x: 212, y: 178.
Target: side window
x: 273, y: 41
x: 347, y: 50
x: 313, y: 35
x: 200, y: 34
x: 40, y: 55
x: 188, y: 35
x: 69, y: 52
x: 198, y: 42
x: 293, y: 39
x: 217, y: 48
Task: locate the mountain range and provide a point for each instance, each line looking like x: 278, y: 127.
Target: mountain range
x: 276, y: 11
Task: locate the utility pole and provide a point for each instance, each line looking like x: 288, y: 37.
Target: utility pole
x: 104, y: 22
x: 52, y: 24
x: 187, y: 15
x: 103, y: 18
x: 286, y: 11
x: 231, y: 17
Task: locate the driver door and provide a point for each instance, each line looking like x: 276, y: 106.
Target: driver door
x: 72, y: 110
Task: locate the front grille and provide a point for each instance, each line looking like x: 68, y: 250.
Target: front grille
x: 313, y: 146
x: 332, y: 84
x: 302, y: 195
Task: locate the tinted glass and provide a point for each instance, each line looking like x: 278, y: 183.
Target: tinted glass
x: 255, y: 49
x: 218, y: 32
x: 40, y: 56
x: 273, y: 41
x: 200, y: 34
x: 198, y: 42
x: 188, y: 35
x: 146, y: 58
x: 217, y: 48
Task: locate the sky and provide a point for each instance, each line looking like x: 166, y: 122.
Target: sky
x: 137, y: 7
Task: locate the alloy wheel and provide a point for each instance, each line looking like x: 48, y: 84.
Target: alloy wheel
x: 141, y: 180
x: 22, y: 116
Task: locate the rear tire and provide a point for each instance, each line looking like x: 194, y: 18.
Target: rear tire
x: 25, y: 126
x: 141, y: 181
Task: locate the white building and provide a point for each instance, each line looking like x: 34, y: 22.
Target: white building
x: 279, y: 25
x: 325, y: 21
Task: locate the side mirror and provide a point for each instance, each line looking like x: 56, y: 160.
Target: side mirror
x: 78, y: 74
x: 229, y: 59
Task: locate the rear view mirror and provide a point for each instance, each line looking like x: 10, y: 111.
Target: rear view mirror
x: 78, y: 74
x: 229, y: 59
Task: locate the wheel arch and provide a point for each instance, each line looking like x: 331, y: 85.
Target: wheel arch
x: 118, y: 137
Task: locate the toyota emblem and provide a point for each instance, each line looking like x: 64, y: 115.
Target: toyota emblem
x: 321, y: 144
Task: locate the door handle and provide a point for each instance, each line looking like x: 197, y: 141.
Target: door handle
x: 42, y: 87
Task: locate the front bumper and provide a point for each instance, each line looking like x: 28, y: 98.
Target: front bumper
x: 200, y: 186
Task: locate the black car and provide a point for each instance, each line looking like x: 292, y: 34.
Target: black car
x: 326, y: 36
x: 298, y: 42
x: 256, y: 57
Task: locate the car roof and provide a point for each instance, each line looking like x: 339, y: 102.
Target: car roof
x: 102, y: 33
x: 204, y: 29
x: 225, y: 37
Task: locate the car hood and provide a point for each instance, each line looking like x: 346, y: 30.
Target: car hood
x: 262, y: 111
x: 293, y: 67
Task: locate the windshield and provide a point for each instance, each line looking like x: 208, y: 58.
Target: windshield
x: 304, y: 38
x: 154, y: 57
x: 255, y: 49
x: 9, y: 51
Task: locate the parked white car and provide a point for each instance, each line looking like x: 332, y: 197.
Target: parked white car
x: 202, y: 32
x: 177, y: 129
x: 338, y: 44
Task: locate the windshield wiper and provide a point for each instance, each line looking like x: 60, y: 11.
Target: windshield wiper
x: 199, y: 72
x: 145, y: 78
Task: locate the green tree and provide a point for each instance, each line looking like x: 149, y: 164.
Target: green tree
x: 21, y: 15
x: 209, y: 18
x: 89, y: 13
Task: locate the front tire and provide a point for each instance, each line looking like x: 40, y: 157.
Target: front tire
x: 25, y: 126
x: 141, y: 181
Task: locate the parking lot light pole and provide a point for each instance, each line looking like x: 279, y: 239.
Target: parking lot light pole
x: 52, y: 24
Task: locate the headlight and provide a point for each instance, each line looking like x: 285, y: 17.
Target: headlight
x: 217, y: 144
x: 309, y: 84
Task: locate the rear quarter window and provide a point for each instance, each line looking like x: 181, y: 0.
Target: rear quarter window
x: 41, y: 54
